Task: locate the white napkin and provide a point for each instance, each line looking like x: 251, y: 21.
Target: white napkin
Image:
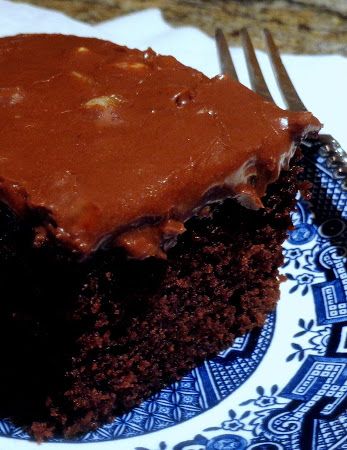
x: 320, y: 80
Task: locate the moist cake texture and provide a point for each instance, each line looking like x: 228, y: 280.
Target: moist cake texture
x: 143, y: 206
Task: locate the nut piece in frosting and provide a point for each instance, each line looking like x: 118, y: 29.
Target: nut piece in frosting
x: 83, y: 50
x: 148, y: 241
x: 105, y: 109
x: 105, y: 101
x: 10, y: 96
x: 130, y: 65
x: 81, y: 76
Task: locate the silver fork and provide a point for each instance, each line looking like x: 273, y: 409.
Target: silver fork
x: 329, y: 148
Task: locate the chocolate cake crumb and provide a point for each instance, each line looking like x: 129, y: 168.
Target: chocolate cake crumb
x: 80, y: 338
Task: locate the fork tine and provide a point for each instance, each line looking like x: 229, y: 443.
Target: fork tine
x: 255, y: 74
x: 226, y: 62
x: 289, y: 94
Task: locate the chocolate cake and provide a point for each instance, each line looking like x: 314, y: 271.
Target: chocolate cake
x: 143, y: 208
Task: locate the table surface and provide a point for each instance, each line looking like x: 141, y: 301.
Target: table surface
x: 300, y: 26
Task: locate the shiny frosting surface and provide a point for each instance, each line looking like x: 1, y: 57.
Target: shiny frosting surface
x: 120, y: 146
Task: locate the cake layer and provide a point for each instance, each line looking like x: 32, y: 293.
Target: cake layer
x: 86, y: 333
x: 110, y: 146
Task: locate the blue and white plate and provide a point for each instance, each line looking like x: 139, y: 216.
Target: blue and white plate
x: 283, y: 387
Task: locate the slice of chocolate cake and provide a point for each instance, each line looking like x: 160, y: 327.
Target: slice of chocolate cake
x: 143, y: 208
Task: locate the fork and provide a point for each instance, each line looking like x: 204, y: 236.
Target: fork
x: 329, y: 148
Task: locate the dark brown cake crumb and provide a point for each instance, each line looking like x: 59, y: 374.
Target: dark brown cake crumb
x: 41, y: 431
x: 86, y: 342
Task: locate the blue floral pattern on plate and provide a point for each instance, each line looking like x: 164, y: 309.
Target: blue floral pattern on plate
x: 305, y: 411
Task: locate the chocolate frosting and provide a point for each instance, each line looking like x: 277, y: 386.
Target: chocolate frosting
x: 120, y: 147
